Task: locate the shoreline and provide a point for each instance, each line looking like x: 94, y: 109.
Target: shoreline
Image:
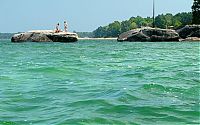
x: 97, y: 38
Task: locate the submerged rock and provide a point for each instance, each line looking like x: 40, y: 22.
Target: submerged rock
x: 45, y: 36
x: 189, y: 31
x: 149, y: 34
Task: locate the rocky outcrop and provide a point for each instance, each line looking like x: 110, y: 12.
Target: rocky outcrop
x: 149, y: 34
x: 45, y: 36
x: 189, y: 31
x: 38, y: 37
x: 195, y: 34
x: 21, y: 37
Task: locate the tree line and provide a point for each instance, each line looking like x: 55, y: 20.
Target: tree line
x: 161, y: 21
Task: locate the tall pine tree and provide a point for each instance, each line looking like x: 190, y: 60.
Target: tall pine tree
x: 196, y: 12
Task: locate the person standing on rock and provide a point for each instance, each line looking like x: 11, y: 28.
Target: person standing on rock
x: 57, y: 28
x: 65, y: 26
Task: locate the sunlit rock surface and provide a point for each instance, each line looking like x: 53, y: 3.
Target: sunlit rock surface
x: 148, y: 34
x: 45, y: 36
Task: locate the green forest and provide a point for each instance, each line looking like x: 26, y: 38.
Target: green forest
x: 161, y: 21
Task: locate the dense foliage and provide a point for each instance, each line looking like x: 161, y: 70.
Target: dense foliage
x: 161, y: 21
x: 196, y: 12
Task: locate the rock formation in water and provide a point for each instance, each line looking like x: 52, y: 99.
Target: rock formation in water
x: 45, y: 36
x: 149, y: 34
x: 189, y: 31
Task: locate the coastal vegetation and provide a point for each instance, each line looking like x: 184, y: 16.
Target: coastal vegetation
x: 196, y: 12
x: 161, y: 21
x: 85, y: 34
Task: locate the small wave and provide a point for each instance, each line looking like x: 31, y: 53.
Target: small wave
x: 92, y: 102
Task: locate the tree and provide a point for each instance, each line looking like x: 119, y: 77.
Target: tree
x: 139, y: 21
x: 160, y: 21
x: 114, y: 29
x: 182, y: 19
x: 127, y: 25
x: 100, y: 32
x: 168, y: 19
x: 196, y: 12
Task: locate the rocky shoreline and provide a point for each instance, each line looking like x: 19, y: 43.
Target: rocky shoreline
x: 148, y: 34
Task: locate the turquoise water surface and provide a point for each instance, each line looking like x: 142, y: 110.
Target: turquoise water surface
x: 99, y: 82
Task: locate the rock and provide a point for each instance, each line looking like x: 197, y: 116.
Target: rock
x: 189, y: 31
x: 191, y: 39
x: 195, y: 34
x: 21, y: 37
x: 149, y: 34
x: 62, y: 38
x: 38, y: 37
x: 45, y: 36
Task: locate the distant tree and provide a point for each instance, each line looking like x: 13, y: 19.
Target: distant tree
x: 85, y: 34
x: 149, y: 21
x: 196, y: 12
x: 127, y: 25
x: 182, y: 19
x: 133, y: 25
x: 168, y: 20
x: 139, y: 21
x: 100, y: 32
x: 176, y: 23
x: 185, y: 18
x: 114, y: 29
x: 160, y: 21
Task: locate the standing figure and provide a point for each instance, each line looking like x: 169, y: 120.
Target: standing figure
x: 57, y: 28
x: 65, y: 26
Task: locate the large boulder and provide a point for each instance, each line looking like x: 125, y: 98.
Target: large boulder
x: 189, y: 31
x: 149, y: 34
x: 45, y: 36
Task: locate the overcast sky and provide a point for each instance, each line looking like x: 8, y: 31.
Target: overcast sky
x: 81, y: 15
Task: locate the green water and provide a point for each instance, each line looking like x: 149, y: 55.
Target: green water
x: 99, y: 82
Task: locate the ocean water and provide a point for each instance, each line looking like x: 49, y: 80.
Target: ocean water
x: 99, y: 82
